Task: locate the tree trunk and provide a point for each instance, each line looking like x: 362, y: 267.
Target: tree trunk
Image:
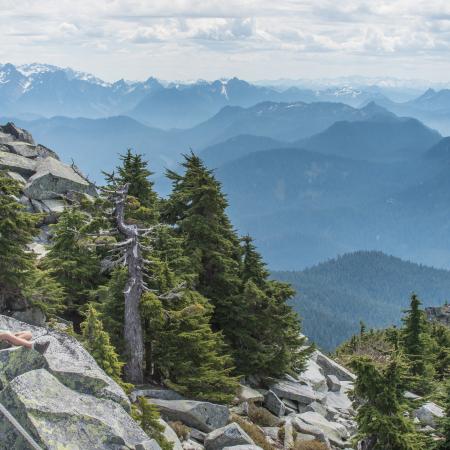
x: 134, y: 340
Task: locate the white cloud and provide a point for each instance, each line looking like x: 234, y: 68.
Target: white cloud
x: 238, y: 37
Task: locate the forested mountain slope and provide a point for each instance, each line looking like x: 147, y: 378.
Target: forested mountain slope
x: 371, y: 286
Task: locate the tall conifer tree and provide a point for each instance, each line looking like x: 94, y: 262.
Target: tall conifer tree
x: 17, y: 230
x: 416, y: 345
x: 260, y: 328
x: 73, y: 260
x: 382, y: 424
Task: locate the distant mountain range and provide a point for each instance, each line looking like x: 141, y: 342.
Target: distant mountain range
x: 432, y: 108
x: 41, y: 90
x: 95, y: 143
x: 334, y: 296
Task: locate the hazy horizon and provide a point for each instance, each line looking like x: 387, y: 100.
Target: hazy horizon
x: 253, y: 39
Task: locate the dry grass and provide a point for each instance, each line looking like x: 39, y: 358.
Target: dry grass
x: 181, y: 430
x: 253, y: 431
x: 309, y: 445
x: 261, y: 416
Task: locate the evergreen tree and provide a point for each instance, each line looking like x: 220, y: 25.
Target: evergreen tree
x: 197, y: 210
x: 266, y: 336
x: 97, y: 343
x: 109, y: 301
x: 45, y: 292
x: 378, y: 393
x: 416, y: 345
x: 183, y: 350
x: 73, y: 260
x: 17, y: 230
x: 362, y: 328
x: 440, y: 335
x: 142, y: 199
x: 247, y: 307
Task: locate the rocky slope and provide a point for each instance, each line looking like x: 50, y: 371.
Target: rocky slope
x: 63, y: 399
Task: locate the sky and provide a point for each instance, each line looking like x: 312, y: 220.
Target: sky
x: 251, y: 39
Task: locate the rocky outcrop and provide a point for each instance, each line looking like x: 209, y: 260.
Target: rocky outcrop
x: 204, y: 416
x: 63, y: 398
x: 228, y: 436
x: 439, y: 314
x: 429, y: 414
x: 45, y: 180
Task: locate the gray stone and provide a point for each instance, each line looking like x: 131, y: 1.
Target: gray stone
x: 152, y: 392
x: 243, y: 447
x: 32, y: 315
x: 335, y: 432
x: 295, y: 391
x: 331, y: 367
x: 54, y: 206
x: 29, y: 150
x: 274, y: 404
x: 313, y: 430
x: 149, y: 444
x: 228, y: 436
x: 16, y: 176
x: 53, y: 178
x: 313, y: 376
x: 248, y: 394
x: 192, y: 445
x: 333, y: 382
x: 271, y: 432
x: 197, y: 435
x: 57, y: 416
x: 11, y: 133
x: 170, y: 435
x: 411, y: 396
x: 288, y: 435
x: 337, y: 401
x: 204, y: 416
x: 303, y: 437
x: 24, y: 166
x: 428, y: 414
x: 290, y: 405
x: 65, y: 358
x: 314, y: 407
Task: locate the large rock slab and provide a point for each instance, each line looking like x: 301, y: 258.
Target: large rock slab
x: 335, y: 432
x: 154, y: 392
x: 53, y: 178
x: 313, y: 376
x: 248, y: 394
x: 338, y: 401
x: 331, y: 367
x: 273, y: 403
x: 204, y: 416
x: 295, y: 391
x: 228, y: 436
x: 15, y: 163
x: 29, y: 150
x: 65, y: 358
x: 429, y: 414
x: 59, y: 417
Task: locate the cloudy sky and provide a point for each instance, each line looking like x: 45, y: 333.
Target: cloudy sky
x: 252, y: 39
